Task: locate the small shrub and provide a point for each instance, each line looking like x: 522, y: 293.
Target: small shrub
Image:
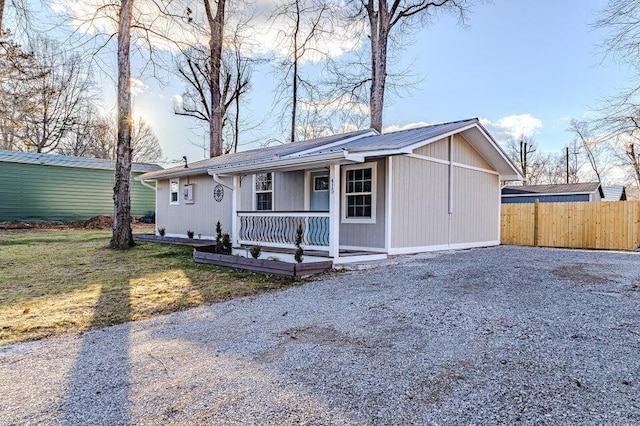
x: 219, y: 245
x: 255, y: 251
x: 274, y: 258
x: 226, y: 243
x: 298, y: 254
x: 190, y: 233
x: 161, y: 231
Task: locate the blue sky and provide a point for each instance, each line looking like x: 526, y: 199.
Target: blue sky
x: 520, y: 66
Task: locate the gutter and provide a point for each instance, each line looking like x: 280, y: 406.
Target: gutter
x: 283, y: 162
x: 144, y: 182
x: 173, y: 174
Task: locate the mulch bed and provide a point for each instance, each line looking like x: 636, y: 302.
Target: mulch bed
x: 95, y: 223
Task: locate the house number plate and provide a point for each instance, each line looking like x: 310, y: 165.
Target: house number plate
x: 218, y: 193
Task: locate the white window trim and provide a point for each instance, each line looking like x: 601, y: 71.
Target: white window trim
x: 255, y: 193
x: 374, y: 187
x: 171, y: 202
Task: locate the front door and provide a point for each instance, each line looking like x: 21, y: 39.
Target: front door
x: 319, y: 199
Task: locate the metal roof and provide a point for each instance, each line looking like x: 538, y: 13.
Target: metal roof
x: 255, y: 155
x: 571, y: 188
x: 69, y: 161
x: 349, y: 147
x: 614, y: 193
x: 399, y: 139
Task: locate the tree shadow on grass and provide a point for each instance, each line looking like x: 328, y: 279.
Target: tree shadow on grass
x: 99, y: 383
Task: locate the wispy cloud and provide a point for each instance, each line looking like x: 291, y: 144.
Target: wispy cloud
x: 137, y: 87
x: 396, y: 127
x: 512, y: 126
x: 259, y: 32
x: 177, y: 99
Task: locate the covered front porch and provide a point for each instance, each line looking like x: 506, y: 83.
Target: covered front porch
x: 269, y: 205
x: 276, y: 232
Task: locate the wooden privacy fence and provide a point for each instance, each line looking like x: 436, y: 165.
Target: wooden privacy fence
x: 593, y: 225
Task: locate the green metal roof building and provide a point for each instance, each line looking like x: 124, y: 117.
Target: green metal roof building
x: 57, y: 187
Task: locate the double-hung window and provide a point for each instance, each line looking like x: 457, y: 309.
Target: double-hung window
x: 264, y: 191
x: 359, y: 202
x: 174, y: 189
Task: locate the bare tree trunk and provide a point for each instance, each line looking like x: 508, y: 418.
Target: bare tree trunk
x: 122, y: 237
x: 236, y: 129
x: 581, y: 130
x: 294, y: 100
x: 216, y: 27
x: 294, y: 85
x: 383, y: 16
x: 1, y: 12
x: 633, y: 160
x: 380, y: 26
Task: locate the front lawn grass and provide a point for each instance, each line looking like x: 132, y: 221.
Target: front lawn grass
x: 53, y: 282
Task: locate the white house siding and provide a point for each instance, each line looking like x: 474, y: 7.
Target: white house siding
x: 438, y: 149
x: 464, y: 153
x: 476, y: 207
x: 420, y: 190
x: 289, y: 191
x: 200, y: 216
x: 246, y: 193
x: 419, y: 203
x: 368, y: 235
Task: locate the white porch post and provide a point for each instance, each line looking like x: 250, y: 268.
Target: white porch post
x: 334, y: 210
x: 235, y: 203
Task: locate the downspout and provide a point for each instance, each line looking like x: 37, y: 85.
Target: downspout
x: 144, y: 182
x: 450, y: 190
x: 155, y: 190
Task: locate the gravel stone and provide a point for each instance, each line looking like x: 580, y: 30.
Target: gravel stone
x: 505, y: 335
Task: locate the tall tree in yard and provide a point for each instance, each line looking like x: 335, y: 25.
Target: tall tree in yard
x: 122, y: 237
x: 306, y: 19
x: 215, y: 22
x: 620, y: 114
x: 195, y: 68
x: 18, y: 71
x: 18, y: 7
x: 383, y: 18
x: 61, y: 91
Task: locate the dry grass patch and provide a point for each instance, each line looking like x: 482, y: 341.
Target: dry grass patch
x: 53, y: 282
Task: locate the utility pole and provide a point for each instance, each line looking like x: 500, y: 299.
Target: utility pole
x: 523, y: 156
x: 567, y: 162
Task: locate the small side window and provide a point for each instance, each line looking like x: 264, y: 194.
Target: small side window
x: 174, y: 188
x: 264, y: 191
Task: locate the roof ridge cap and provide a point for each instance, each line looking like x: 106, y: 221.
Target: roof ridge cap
x: 432, y: 125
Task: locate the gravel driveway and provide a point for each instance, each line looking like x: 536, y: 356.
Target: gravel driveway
x: 506, y: 335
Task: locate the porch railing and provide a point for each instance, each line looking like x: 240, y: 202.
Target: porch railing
x: 278, y: 229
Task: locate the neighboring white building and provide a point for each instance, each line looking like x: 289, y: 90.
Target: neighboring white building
x: 614, y: 193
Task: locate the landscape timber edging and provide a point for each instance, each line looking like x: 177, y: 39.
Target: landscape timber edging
x: 274, y: 267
